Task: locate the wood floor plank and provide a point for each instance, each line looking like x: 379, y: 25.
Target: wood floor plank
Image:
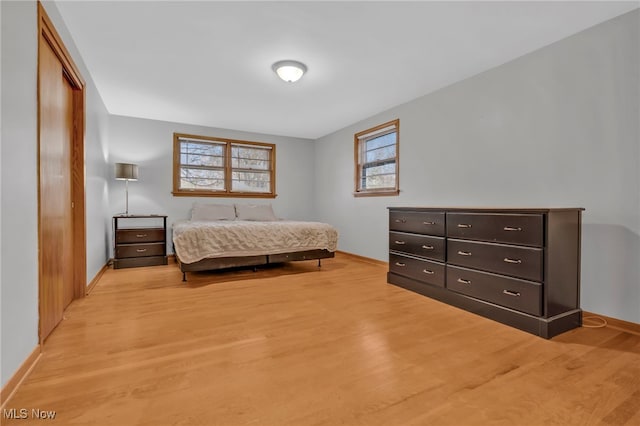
x: 298, y: 345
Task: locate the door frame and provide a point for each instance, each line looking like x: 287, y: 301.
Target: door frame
x: 48, y: 34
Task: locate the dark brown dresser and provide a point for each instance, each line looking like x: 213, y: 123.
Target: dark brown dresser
x: 520, y: 267
x: 137, y: 243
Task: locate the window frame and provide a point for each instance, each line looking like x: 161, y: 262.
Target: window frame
x: 228, y: 170
x: 358, y: 165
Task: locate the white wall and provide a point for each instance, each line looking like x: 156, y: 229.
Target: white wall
x: 149, y: 143
x: 19, y: 238
x: 19, y: 292
x: 557, y: 127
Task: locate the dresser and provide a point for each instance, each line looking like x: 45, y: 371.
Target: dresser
x: 139, y: 240
x: 520, y: 267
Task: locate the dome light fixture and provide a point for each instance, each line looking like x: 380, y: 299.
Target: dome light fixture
x: 289, y: 71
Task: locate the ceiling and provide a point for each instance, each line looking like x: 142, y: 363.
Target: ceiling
x: 209, y: 63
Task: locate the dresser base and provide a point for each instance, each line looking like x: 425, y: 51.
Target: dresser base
x: 543, y: 327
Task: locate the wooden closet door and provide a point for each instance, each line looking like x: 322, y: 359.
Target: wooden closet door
x: 56, y: 242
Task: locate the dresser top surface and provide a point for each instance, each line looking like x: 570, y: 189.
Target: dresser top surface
x: 487, y: 209
x: 138, y: 216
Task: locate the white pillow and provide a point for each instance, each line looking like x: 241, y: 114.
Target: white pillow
x: 257, y: 212
x: 212, y: 212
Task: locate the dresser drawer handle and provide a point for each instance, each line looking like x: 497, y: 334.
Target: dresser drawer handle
x: 141, y: 235
x: 141, y: 250
x: 511, y: 228
x: 400, y: 243
x: 426, y: 271
x: 464, y: 225
x: 427, y: 247
x: 506, y: 259
x: 402, y: 265
x: 511, y: 293
x: 461, y: 281
x: 400, y: 220
x: 464, y: 253
x: 428, y: 223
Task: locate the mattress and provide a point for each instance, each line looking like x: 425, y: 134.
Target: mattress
x: 194, y: 241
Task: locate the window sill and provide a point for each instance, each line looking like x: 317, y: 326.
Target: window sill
x: 391, y: 193
x: 222, y: 194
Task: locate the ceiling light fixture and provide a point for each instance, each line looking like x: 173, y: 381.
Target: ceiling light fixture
x: 289, y: 71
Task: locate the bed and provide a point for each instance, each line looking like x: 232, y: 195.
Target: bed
x: 248, y: 238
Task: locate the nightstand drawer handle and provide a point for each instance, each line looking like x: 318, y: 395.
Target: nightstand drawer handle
x: 464, y: 253
x: 511, y: 228
x: 511, y: 293
x: 461, y: 281
x: 506, y: 259
x: 141, y: 235
x: 141, y: 250
x: 401, y: 264
x: 464, y: 225
x: 427, y: 247
x: 400, y: 243
x: 400, y: 220
x: 428, y: 223
x: 426, y: 271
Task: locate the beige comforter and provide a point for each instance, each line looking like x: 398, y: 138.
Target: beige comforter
x: 194, y: 241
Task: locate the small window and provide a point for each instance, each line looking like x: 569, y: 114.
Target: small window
x: 376, y: 160
x: 216, y: 167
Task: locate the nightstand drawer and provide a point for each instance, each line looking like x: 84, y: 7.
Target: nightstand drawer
x: 526, y: 229
x: 431, y: 223
x: 139, y: 250
x: 142, y: 235
x: 419, y: 245
x: 525, y: 296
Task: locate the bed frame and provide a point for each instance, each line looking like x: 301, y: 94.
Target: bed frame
x: 232, y: 262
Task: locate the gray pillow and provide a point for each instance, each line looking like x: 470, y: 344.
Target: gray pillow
x: 205, y: 212
x: 256, y: 212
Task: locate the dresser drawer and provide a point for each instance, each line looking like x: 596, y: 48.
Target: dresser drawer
x: 521, y: 262
x: 431, y: 223
x: 139, y: 250
x: 526, y: 229
x: 142, y: 235
x: 421, y: 270
x: 521, y: 295
x: 419, y: 245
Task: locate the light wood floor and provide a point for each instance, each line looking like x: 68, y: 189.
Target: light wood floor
x: 295, y: 345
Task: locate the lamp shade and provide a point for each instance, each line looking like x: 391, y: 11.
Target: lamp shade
x: 126, y: 171
x: 289, y: 71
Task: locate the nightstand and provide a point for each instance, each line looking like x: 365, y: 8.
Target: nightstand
x: 139, y: 240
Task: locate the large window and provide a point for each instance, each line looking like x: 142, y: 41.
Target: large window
x: 217, y: 167
x: 376, y: 160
